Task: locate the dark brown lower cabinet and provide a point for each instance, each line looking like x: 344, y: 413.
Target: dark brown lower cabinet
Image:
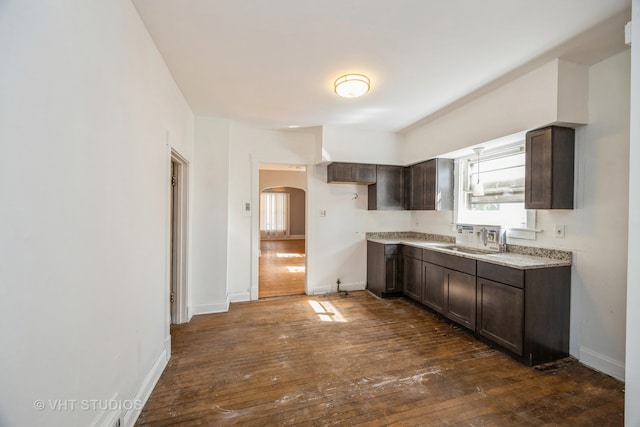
x: 460, y: 292
x: 412, y: 277
x: 433, y: 286
x: 525, y: 311
x: 383, y: 269
x: 501, y: 314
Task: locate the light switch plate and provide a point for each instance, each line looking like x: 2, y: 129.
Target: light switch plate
x: 246, y: 208
x: 559, y: 231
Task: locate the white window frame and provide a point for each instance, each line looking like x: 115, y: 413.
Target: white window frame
x: 525, y: 230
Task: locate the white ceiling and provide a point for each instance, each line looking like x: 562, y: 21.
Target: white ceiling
x: 272, y: 63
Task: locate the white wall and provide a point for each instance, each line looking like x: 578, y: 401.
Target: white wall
x: 527, y: 102
x: 339, y: 238
x: 632, y: 379
x: 335, y: 243
x: 208, y: 283
x: 87, y: 103
x: 596, y: 230
x: 344, y: 144
x: 248, y: 148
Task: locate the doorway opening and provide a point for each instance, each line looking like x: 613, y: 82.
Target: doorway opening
x: 282, y: 230
x: 178, y: 242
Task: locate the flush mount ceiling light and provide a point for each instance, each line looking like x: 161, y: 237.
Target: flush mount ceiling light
x: 351, y: 85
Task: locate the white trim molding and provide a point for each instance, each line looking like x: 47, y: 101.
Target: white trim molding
x: 240, y: 296
x: 149, y: 383
x: 221, y: 307
x: 602, y: 363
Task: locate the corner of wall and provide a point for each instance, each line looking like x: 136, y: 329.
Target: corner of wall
x: 216, y: 307
x: 573, y: 93
x: 147, y: 387
x: 602, y: 363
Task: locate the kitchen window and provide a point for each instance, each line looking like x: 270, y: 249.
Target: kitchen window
x: 501, y: 172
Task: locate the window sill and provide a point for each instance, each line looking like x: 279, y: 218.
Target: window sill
x: 523, y: 233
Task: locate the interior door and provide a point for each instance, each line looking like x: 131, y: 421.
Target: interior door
x: 173, y: 184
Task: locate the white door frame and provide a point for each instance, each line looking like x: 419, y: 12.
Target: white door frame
x: 255, y: 222
x: 180, y: 267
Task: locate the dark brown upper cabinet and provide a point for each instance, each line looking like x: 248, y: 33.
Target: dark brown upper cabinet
x: 549, y: 168
x: 388, y: 191
x: 351, y: 173
x: 431, y: 185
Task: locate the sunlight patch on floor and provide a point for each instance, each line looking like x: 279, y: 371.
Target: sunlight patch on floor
x: 326, y: 311
x: 295, y: 269
x: 289, y: 255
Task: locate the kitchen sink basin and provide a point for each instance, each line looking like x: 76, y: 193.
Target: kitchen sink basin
x: 464, y: 250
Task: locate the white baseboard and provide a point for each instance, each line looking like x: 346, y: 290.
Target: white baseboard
x: 221, y: 307
x: 349, y: 287
x: 317, y: 290
x: 148, y: 385
x: 167, y: 346
x: 602, y: 363
x: 107, y: 418
x: 239, y: 297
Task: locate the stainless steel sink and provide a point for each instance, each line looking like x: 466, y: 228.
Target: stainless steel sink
x: 464, y: 250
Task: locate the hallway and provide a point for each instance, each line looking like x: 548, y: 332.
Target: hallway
x: 282, y: 268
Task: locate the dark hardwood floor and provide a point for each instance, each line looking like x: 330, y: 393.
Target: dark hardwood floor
x: 282, y: 268
x: 359, y: 360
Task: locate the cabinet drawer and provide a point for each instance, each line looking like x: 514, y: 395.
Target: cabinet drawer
x: 391, y: 249
x: 453, y: 262
x: 411, y: 252
x: 502, y: 274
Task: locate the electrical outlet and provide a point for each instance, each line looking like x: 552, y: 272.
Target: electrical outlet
x: 323, y: 212
x: 559, y: 231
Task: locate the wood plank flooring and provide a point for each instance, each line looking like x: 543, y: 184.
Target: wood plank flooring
x: 359, y: 360
x: 282, y: 268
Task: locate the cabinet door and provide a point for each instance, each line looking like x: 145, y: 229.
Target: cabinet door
x: 412, y: 277
x: 460, y: 298
x: 433, y: 286
x: 355, y: 173
x: 538, y: 169
x: 501, y: 314
x: 340, y: 172
x: 375, y: 267
x: 388, y: 191
x: 417, y: 182
x: 430, y: 184
x: 549, y: 168
x: 392, y: 269
x: 364, y: 173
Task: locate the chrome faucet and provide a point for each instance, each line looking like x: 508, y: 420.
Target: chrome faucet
x: 502, y: 240
x: 483, y: 235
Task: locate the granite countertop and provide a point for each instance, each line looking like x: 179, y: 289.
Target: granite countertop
x: 514, y: 259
